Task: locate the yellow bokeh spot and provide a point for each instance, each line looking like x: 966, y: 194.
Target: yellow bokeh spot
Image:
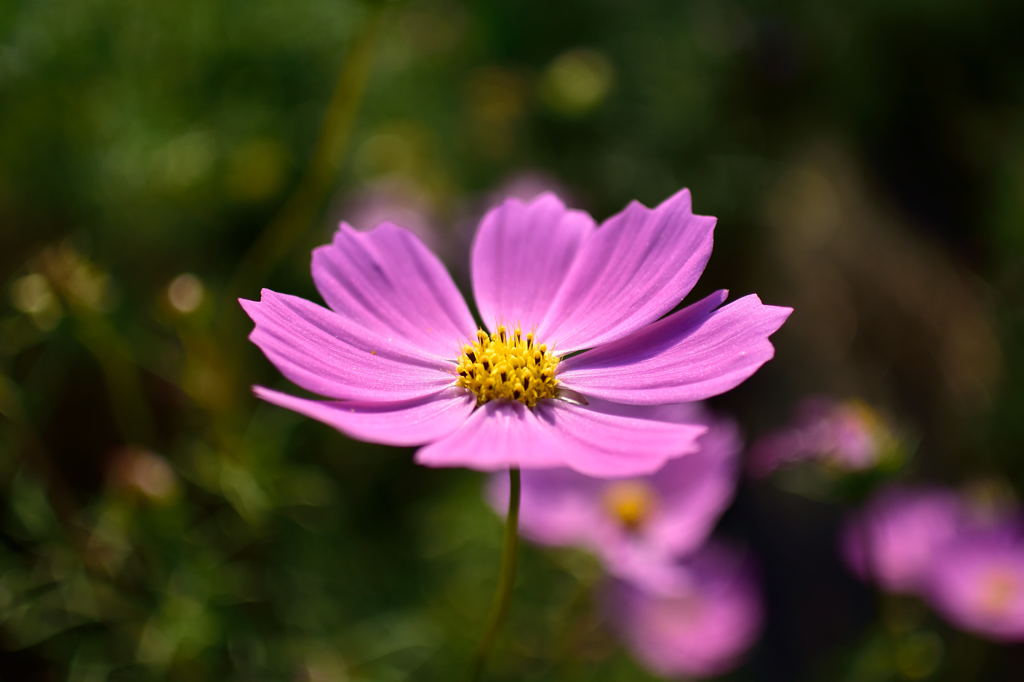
x: 507, y: 366
x: 630, y: 502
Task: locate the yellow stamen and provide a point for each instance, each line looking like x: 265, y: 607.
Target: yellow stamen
x: 630, y: 502
x: 507, y: 366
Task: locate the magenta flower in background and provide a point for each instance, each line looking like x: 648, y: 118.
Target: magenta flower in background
x: 849, y: 435
x: 977, y: 582
x: 526, y: 185
x: 701, y: 629
x: 401, y: 361
x: 966, y: 558
x: 896, y: 537
x: 393, y: 201
x: 638, y: 526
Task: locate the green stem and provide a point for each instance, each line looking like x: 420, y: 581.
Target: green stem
x: 292, y: 221
x: 506, y: 578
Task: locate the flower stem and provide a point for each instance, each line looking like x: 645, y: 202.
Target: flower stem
x: 506, y: 578
x: 292, y: 221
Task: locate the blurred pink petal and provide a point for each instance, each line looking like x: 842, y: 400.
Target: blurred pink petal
x: 848, y: 434
x: 640, y: 524
x: 393, y: 201
x: 701, y: 629
x: 896, y: 537
x: 977, y: 582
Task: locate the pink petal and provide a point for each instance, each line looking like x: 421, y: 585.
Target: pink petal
x: 563, y: 507
x: 701, y: 630
x: 521, y: 254
x: 410, y: 422
x: 498, y: 435
x: 608, y: 440
x: 559, y: 506
x: 325, y: 353
x: 897, y: 537
x: 386, y: 281
x: 690, y: 355
x: 696, y: 489
x: 632, y: 270
x: 977, y: 582
x: 602, y: 439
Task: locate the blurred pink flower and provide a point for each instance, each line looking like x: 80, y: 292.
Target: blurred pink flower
x: 847, y: 434
x: 402, y: 362
x: 977, y: 582
x: 701, y: 629
x: 895, y: 538
x: 637, y: 526
x: 393, y: 201
x: 527, y: 185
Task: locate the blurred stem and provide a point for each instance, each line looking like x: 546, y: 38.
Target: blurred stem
x: 506, y: 578
x: 290, y: 223
x: 292, y: 220
x: 37, y: 459
x: 124, y: 383
x: 578, y: 618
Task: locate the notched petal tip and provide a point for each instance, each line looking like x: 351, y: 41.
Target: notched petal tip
x: 344, y: 226
x: 545, y: 197
x: 776, y: 314
x: 683, y: 195
x: 252, y: 307
x: 783, y: 311
x: 683, y: 201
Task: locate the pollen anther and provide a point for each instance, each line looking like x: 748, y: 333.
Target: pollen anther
x: 507, y: 366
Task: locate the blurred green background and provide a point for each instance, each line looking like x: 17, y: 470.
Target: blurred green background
x: 160, y: 159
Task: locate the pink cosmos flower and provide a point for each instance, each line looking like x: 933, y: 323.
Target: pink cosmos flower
x: 577, y: 351
x: 638, y: 526
x: 848, y: 434
x: 701, y: 629
x: 895, y: 539
x: 977, y: 582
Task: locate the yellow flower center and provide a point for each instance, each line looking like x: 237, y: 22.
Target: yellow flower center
x: 507, y: 366
x: 630, y: 502
x: 998, y: 590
